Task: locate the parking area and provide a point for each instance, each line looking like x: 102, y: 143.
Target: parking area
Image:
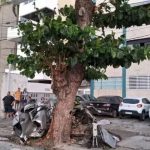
x: 128, y: 124
x: 135, y: 134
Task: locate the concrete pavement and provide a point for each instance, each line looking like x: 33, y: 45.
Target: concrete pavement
x: 136, y: 142
x: 132, y: 132
x: 5, y: 145
x: 6, y: 134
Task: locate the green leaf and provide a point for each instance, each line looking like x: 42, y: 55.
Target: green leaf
x: 74, y: 61
x: 59, y: 39
x: 120, y: 54
x: 127, y: 64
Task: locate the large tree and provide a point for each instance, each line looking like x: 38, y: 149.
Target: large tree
x: 72, y: 45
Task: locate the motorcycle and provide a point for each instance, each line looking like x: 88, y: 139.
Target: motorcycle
x: 32, y: 121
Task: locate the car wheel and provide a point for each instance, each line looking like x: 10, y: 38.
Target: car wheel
x: 142, y: 116
x: 114, y: 114
x: 121, y: 116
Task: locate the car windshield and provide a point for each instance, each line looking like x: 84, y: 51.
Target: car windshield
x: 131, y: 101
x: 88, y: 97
x: 103, y: 100
x: 92, y: 98
x: 110, y: 100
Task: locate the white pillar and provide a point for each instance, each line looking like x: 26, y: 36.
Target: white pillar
x: 8, y: 78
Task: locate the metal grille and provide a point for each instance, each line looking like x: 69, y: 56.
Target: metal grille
x: 139, y: 82
x: 133, y: 82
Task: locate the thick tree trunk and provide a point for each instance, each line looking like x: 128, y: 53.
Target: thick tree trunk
x: 66, y: 83
x: 65, y: 87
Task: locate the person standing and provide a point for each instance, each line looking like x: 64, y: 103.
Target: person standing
x: 8, y: 102
x: 24, y: 97
x: 18, y: 97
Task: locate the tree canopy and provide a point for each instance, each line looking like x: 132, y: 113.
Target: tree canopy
x: 58, y: 42
x: 72, y: 45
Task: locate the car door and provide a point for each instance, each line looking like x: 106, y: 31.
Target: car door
x: 116, y: 102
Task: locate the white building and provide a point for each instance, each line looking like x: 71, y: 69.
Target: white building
x: 40, y: 86
x: 27, y: 10
x: 138, y: 75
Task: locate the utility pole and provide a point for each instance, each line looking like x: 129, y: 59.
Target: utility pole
x: 124, y: 69
x: 92, y: 81
x: 1, y: 70
x: 92, y: 88
x: 6, y: 18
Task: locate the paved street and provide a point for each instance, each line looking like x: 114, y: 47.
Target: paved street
x: 135, y: 135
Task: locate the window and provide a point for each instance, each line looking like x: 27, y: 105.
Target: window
x: 104, y: 100
x: 132, y: 82
x: 139, y: 82
x: 110, y: 83
x: 131, y: 101
x: 110, y: 99
x: 79, y: 98
x: 92, y: 98
x: 86, y: 97
x: 28, y: 1
x: 145, y: 101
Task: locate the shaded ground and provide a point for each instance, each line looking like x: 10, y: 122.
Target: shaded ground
x: 135, y: 135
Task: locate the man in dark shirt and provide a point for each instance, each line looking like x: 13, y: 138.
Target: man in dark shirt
x: 8, y: 102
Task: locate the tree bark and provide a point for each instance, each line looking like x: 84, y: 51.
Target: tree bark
x: 65, y: 86
x: 84, y: 11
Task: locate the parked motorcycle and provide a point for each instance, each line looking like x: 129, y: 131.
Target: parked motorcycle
x: 32, y: 121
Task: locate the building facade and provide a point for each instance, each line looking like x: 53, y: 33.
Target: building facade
x: 138, y: 75
x: 28, y: 11
x: 113, y: 86
x: 7, y: 19
x: 10, y: 79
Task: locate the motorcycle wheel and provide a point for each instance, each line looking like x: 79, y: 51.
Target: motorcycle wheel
x: 17, y: 129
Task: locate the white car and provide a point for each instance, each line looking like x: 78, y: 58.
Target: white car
x: 135, y: 107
